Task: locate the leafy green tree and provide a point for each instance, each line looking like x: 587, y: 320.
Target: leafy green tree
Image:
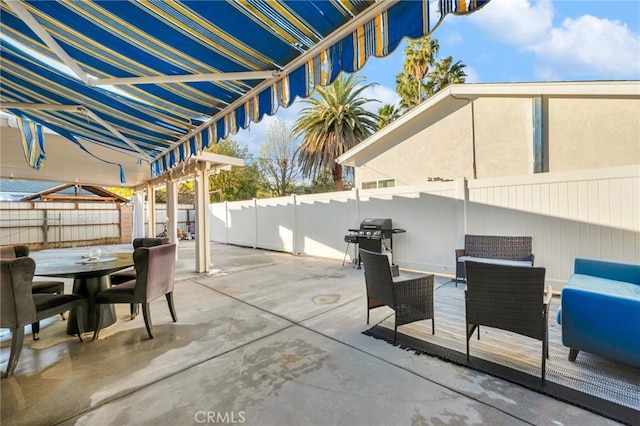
x: 239, y: 183
x: 387, y: 114
x: 420, y: 55
x: 278, y: 164
x: 334, y: 122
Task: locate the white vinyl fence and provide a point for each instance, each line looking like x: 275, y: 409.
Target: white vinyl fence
x: 594, y: 214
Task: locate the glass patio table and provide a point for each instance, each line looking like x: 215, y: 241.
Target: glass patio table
x: 89, y: 277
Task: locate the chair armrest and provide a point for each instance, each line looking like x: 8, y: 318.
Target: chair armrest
x: 532, y: 258
x: 395, y: 271
x: 421, y: 286
x: 548, y: 294
x: 459, y: 253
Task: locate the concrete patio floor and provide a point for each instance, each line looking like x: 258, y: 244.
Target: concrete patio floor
x: 266, y: 339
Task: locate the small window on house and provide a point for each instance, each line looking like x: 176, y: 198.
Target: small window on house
x: 382, y: 183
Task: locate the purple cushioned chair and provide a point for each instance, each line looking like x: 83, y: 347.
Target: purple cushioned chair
x: 127, y: 275
x: 20, y: 307
x: 37, y: 287
x: 155, y: 269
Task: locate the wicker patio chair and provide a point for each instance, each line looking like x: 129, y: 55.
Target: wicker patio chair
x: 410, y: 298
x: 511, y: 298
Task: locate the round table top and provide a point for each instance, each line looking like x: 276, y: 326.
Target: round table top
x: 72, y: 267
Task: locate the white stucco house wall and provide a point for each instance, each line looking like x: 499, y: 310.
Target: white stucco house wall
x: 512, y: 129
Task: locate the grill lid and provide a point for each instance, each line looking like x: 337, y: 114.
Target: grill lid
x: 378, y: 224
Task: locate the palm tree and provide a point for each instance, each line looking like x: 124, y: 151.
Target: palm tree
x: 387, y: 114
x: 334, y: 122
x: 419, y: 56
x: 409, y: 90
x: 445, y: 73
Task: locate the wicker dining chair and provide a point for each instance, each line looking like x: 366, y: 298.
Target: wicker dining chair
x: 511, y: 298
x: 410, y: 298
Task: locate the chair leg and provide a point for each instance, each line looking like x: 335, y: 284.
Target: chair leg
x: 395, y: 332
x: 368, y: 312
x: 134, y: 310
x: 35, y: 330
x: 470, y: 329
x: 146, y: 313
x: 544, y: 361
x: 433, y: 326
x: 17, y: 337
x: 172, y: 307
x: 96, y: 333
x: 573, y: 354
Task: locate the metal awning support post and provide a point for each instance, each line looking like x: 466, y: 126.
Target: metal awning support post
x: 172, y: 212
x: 203, y: 247
x: 151, y: 211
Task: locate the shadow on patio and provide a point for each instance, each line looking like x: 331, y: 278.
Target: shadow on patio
x: 267, y: 338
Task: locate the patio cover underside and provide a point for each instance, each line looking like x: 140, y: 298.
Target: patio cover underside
x: 186, y: 74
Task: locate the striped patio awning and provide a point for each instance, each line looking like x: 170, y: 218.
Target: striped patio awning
x: 162, y: 80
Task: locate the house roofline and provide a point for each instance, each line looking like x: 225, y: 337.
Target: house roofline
x: 469, y: 91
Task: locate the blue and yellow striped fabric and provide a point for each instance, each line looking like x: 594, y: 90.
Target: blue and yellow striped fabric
x: 32, y: 142
x: 120, y: 39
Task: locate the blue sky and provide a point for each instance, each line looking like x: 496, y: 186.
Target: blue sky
x: 516, y: 41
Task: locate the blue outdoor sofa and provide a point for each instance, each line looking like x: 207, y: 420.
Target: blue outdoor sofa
x: 600, y: 311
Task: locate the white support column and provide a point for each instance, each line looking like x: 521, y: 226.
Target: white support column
x: 172, y: 212
x: 203, y: 246
x: 138, y: 215
x: 151, y: 211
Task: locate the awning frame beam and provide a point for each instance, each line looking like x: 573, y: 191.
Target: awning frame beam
x: 80, y: 110
x: 31, y: 22
x: 187, y: 78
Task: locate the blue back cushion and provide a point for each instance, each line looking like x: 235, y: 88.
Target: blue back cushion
x: 611, y: 270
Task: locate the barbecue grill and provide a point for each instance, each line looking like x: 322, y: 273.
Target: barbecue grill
x: 374, y: 235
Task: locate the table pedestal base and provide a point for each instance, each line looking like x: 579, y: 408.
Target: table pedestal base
x: 89, y: 287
